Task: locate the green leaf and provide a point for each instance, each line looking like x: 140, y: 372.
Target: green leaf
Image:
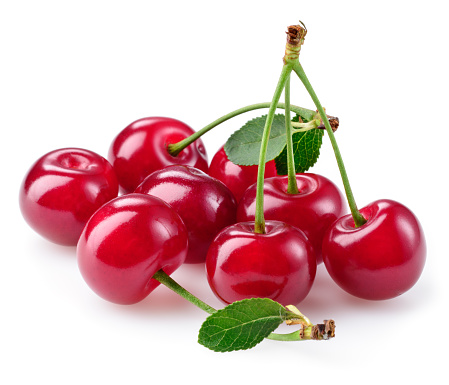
x: 242, y: 324
x: 306, y: 150
x: 243, y: 146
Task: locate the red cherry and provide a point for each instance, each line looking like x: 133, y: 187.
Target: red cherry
x: 63, y: 189
x: 318, y: 204
x: 125, y: 242
x: 382, y: 258
x: 141, y: 148
x: 279, y: 264
x: 204, y: 203
x: 237, y: 178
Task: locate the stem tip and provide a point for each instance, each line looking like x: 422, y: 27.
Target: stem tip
x: 296, y: 34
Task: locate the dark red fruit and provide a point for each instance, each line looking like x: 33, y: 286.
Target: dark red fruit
x: 204, y: 203
x: 382, y: 258
x: 125, y: 242
x: 317, y: 205
x: 141, y: 148
x: 279, y: 264
x: 63, y: 189
x: 237, y: 178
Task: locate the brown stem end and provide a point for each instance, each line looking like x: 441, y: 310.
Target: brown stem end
x: 323, y: 331
x: 295, y: 39
x: 333, y: 121
x: 296, y: 34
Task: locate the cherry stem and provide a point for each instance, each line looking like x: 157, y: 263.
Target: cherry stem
x: 359, y: 220
x: 295, y: 336
x: 170, y: 283
x: 302, y: 127
x: 309, y: 332
x: 292, y: 187
x: 259, y: 225
x: 175, y: 148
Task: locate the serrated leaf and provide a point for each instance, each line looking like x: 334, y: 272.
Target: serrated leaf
x: 243, y: 146
x: 241, y: 325
x: 306, y: 150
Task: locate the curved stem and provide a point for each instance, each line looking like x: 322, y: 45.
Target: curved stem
x: 175, y: 148
x: 295, y: 336
x: 168, y: 281
x: 259, y: 225
x: 305, y: 126
x: 359, y: 220
x: 292, y: 187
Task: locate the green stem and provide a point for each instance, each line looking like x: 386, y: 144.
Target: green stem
x: 305, y: 126
x: 359, y: 220
x: 175, y: 148
x: 292, y: 187
x: 168, y: 281
x: 295, y: 336
x: 259, y: 225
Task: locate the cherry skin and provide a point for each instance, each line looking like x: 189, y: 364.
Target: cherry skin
x: 237, y: 178
x: 125, y: 242
x: 204, y: 203
x: 141, y: 148
x: 318, y: 204
x: 63, y: 189
x: 382, y: 258
x: 279, y: 264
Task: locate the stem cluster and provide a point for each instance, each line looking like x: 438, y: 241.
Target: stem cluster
x: 295, y: 39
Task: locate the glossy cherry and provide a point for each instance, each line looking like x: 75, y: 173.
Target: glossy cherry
x: 141, y: 148
x: 63, y: 189
x: 237, y: 178
x: 125, y: 242
x: 204, y: 203
x: 279, y: 264
x: 382, y: 258
x: 317, y: 205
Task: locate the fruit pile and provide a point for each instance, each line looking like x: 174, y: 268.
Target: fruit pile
x: 258, y: 222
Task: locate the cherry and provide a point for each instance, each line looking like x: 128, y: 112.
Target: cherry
x: 279, y: 264
x: 317, y: 205
x: 63, y: 189
x: 204, y: 203
x: 381, y: 259
x: 126, y: 242
x: 141, y: 148
x: 237, y: 178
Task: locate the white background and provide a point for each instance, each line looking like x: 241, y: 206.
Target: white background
x: 74, y: 73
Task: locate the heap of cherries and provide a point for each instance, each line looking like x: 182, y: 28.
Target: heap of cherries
x: 156, y: 203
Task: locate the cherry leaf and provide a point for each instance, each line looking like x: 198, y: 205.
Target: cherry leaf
x: 243, y: 146
x: 306, y: 150
x: 242, y: 324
